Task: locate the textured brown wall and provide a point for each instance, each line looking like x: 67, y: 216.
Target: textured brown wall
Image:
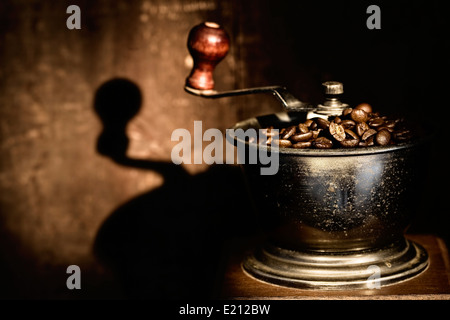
x: 64, y: 203
x: 56, y: 189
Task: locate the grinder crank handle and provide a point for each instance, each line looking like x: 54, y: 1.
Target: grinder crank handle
x: 208, y: 44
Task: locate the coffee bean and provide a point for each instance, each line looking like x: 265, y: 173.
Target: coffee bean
x: 313, y: 125
x: 308, y: 123
x: 363, y: 143
x: 349, y: 134
x: 390, y: 123
x: 322, y: 123
x: 337, y: 120
x: 367, y: 143
x: 322, y: 143
x: 361, y: 127
x: 402, y: 135
x: 371, y: 141
x: 348, y: 124
x: 349, y: 143
x: 368, y: 134
x: 283, y: 143
x: 303, y: 128
x: 383, y: 138
x: 376, y: 122
x: 337, y: 131
x: 302, y: 136
x: 346, y: 112
x: 364, y: 106
x: 358, y: 127
x: 302, y: 145
x: 383, y: 127
x: 351, y: 139
x: 289, y: 132
x: 359, y: 115
x: 316, y: 133
x: 374, y: 115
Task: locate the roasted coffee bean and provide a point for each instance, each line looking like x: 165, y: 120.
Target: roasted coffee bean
x: 349, y: 143
x: 371, y: 141
x: 351, y: 139
x: 364, y: 106
x: 322, y: 123
x: 346, y: 112
x: 316, y: 133
x: 376, y: 122
x: 349, y: 134
x: 368, y: 134
x: 308, y: 123
x: 390, y: 123
x: 367, y: 143
x: 361, y: 127
x: 348, y: 124
x: 383, y: 127
x: 358, y: 127
x: 303, y: 128
x: 337, y: 131
x: 283, y: 143
x: 374, y: 115
x: 383, y: 138
x: 302, y: 145
x: 299, y: 137
x: 362, y: 143
x: 288, y: 133
x: 313, y: 125
x: 359, y: 115
x: 402, y: 135
x: 322, y: 143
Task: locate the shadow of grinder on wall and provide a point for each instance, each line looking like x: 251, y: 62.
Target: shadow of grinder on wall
x: 165, y: 243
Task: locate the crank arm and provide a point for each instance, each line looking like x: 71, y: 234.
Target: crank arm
x: 289, y: 102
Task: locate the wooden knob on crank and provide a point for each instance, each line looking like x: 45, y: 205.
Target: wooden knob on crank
x: 208, y: 44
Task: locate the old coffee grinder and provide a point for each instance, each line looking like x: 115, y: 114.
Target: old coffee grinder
x: 335, y: 218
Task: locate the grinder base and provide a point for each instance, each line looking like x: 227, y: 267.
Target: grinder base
x: 368, y: 269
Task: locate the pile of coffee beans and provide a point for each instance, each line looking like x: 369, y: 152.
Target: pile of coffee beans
x: 356, y: 127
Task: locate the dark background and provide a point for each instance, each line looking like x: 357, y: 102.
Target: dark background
x: 86, y: 118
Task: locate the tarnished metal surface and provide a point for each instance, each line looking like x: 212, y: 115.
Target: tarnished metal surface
x: 356, y: 270
x: 352, y: 203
